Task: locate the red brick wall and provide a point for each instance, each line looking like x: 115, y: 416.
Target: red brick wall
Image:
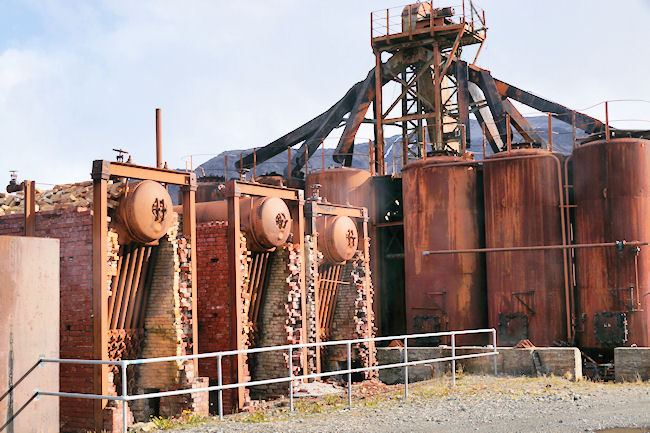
x: 214, y: 309
x: 74, y: 230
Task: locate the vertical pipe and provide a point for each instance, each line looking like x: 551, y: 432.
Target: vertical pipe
x: 288, y: 166
x: 494, y: 344
x: 241, y: 166
x: 464, y: 137
x: 29, y: 193
x: 349, y: 375
x: 550, y: 132
x: 573, y: 128
x: 322, y: 154
x: 483, y: 129
x: 291, y: 379
x: 508, y: 133
x: 159, y: 158
x: 220, y: 383
x: 371, y: 163
x: 406, y: 368
x: 306, y: 161
x: 254, y: 164
x: 225, y: 165
x: 123, y: 365
x: 453, y: 359
x: 607, y: 120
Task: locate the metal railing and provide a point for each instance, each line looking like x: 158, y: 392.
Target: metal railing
x: 400, y: 20
x: 289, y: 348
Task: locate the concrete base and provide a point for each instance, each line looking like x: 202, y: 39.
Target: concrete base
x: 29, y: 329
x: 632, y: 363
x: 542, y: 361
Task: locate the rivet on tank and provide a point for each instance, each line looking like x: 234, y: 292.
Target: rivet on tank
x: 443, y: 201
x: 612, y: 197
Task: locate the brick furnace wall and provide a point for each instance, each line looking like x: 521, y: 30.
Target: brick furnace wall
x: 214, y: 303
x: 73, y: 227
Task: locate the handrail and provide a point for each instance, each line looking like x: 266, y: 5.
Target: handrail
x: 125, y: 397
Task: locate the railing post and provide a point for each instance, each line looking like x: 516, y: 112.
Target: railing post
x: 290, y: 379
x: 453, y: 359
x: 406, y: 368
x: 349, y: 375
x: 124, y: 364
x: 220, y: 383
x: 494, y: 344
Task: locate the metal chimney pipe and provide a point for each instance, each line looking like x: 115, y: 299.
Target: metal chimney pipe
x: 159, y: 159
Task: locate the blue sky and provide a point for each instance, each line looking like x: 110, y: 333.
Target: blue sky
x: 80, y: 78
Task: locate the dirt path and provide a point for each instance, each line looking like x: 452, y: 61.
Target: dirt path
x: 482, y: 404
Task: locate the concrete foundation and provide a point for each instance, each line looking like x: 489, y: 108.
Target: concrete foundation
x: 29, y: 329
x: 541, y: 361
x: 632, y: 363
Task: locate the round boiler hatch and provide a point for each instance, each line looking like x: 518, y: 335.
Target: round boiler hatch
x: 145, y: 212
x: 338, y: 238
x: 270, y: 222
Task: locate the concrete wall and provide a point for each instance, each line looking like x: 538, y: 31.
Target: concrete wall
x: 29, y: 329
x: 632, y: 363
x: 559, y: 361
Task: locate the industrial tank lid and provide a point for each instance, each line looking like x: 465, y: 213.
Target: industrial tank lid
x: 146, y: 211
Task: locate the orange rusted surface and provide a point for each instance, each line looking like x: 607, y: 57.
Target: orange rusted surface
x: 343, y: 185
x: 612, y: 194
x: 442, y: 211
x: 144, y: 213
x: 265, y: 220
x: 338, y: 238
x: 527, y: 296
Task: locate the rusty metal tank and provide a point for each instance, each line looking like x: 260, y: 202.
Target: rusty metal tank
x: 343, y: 185
x: 612, y: 195
x: 527, y: 290
x: 144, y: 213
x: 265, y: 220
x: 443, y: 211
x: 338, y: 238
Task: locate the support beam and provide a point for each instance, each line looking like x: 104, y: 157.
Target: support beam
x: 100, y: 290
x: 379, y: 130
x: 462, y: 97
x: 236, y: 279
x: 29, y: 191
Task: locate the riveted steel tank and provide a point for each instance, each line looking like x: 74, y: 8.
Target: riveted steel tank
x: 343, y: 185
x: 612, y: 195
x: 338, y: 238
x: 443, y: 211
x: 527, y: 290
x: 265, y: 220
x: 144, y: 212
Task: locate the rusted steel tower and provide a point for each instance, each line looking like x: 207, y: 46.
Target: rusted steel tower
x: 423, y: 43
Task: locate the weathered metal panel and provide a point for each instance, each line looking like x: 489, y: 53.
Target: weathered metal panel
x: 612, y: 193
x: 522, y: 208
x: 343, y: 185
x: 442, y: 211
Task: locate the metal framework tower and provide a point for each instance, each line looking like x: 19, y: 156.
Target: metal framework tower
x: 424, y: 44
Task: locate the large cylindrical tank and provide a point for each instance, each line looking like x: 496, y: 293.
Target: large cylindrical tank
x: 266, y: 220
x: 527, y: 295
x: 338, y: 238
x: 443, y: 211
x: 144, y: 212
x: 612, y: 195
x: 343, y: 185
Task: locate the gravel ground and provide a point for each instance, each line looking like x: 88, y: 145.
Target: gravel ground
x: 477, y: 403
